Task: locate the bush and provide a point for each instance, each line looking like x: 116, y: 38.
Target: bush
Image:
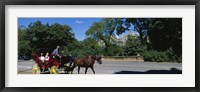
x: 133, y: 47
x: 161, y: 56
x: 113, y: 50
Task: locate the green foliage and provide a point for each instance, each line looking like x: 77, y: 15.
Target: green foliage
x: 133, y: 46
x: 161, y: 56
x: 166, y: 33
x: 73, y: 49
x: 113, y: 50
x: 48, y: 36
x: 159, y: 33
x: 39, y: 35
x: 88, y: 46
x: 159, y: 40
x: 23, y: 44
x: 104, y: 30
x: 24, y: 48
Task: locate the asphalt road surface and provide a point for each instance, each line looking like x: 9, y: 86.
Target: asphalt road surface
x: 117, y: 67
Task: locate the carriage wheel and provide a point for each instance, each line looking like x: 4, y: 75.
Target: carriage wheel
x: 36, y: 69
x: 54, y: 70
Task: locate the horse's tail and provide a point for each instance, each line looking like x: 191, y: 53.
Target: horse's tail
x: 74, y: 62
x: 72, y: 65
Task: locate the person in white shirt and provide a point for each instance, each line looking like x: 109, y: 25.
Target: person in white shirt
x: 42, y: 57
x: 44, y: 60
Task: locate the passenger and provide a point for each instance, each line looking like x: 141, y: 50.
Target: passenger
x: 47, y: 56
x: 42, y: 57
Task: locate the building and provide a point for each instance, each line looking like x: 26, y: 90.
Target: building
x: 119, y: 40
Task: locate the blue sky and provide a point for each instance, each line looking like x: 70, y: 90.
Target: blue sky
x: 79, y: 25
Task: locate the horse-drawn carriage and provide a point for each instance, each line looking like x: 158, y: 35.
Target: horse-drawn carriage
x: 47, y: 63
x: 55, y: 64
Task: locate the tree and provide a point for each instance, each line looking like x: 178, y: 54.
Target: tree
x: 74, y: 49
x: 91, y: 46
x: 141, y: 25
x: 48, y: 36
x: 158, y: 33
x: 105, y: 30
x: 88, y: 46
x: 23, y: 44
x: 166, y: 33
x: 39, y: 35
x: 133, y: 46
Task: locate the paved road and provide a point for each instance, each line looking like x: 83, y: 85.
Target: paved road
x: 118, y: 67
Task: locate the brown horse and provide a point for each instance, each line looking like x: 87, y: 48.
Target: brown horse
x: 87, y: 62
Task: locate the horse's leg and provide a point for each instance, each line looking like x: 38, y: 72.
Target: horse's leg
x: 67, y: 71
x: 86, y: 69
x: 92, y: 69
x: 73, y: 67
x: 78, y: 69
x: 72, y: 71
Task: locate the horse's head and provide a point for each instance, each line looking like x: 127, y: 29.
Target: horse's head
x: 98, y: 58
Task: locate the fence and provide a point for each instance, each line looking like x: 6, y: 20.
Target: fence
x: 123, y: 58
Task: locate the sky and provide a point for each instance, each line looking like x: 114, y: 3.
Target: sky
x: 79, y: 25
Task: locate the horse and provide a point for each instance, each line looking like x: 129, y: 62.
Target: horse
x: 87, y: 62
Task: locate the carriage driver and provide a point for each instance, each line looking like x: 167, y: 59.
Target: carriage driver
x: 55, y: 52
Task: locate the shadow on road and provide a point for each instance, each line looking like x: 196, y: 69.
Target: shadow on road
x: 171, y: 71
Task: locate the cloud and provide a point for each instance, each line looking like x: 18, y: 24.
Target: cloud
x: 79, y: 22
